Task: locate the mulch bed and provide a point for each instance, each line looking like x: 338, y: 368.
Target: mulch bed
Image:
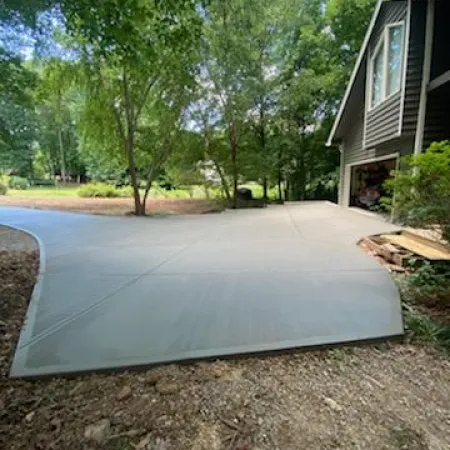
x: 384, y: 397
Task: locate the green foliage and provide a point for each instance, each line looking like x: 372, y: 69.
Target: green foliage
x: 427, y: 288
x: 421, y: 188
x: 45, y: 192
x: 202, y: 93
x: 18, y: 183
x: 104, y: 190
x: 17, y: 124
x: 3, y: 188
x: 424, y: 329
x: 43, y: 182
x: 429, y: 285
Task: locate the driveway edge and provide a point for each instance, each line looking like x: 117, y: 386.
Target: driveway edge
x: 18, y: 364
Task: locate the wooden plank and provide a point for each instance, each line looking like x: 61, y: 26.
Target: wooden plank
x: 391, y: 248
x: 426, y: 241
x: 417, y: 247
x: 396, y: 268
x: 372, y: 246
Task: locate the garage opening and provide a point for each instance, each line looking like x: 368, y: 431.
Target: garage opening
x: 366, y: 183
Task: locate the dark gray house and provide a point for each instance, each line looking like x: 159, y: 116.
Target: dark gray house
x: 398, y: 98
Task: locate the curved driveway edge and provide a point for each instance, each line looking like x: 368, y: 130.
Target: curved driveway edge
x: 17, y: 365
x: 122, y: 292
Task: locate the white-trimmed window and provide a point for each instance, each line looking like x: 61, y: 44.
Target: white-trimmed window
x: 386, y: 64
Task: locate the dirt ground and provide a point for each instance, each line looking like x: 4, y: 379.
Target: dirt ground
x: 381, y: 397
x: 112, y: 206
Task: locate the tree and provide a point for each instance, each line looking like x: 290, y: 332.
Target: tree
x: 421, y: 189
x: 133, y: 59
x: 17, y: 124
x: 56, y: 78
x: 229, y: 70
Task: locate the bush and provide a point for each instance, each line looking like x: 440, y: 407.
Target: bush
x: 43, y: 182
x: 3, y: 189
x: 102, y: 190
x: 428, y: 285
x: 422, y: 189
x: 424, y: 329
x: 18, y: 183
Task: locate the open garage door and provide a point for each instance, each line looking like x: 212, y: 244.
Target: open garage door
x: 366, y: 181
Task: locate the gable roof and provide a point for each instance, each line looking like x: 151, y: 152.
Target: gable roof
x: 356, y: 69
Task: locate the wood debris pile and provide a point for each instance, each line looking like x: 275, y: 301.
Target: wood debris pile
x: 400, y: 251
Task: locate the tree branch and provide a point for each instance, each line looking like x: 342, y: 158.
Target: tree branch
x: 119, y: 122
x: 128, y: 106
x: 144, y: 98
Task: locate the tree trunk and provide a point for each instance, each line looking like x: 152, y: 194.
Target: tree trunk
x: 61, y: 154
x: 280, y: 179
x: 233, y: 149
x: 219, y: 170
x: 280, y: 193
x: 262, y: 141
x: 302, y: 172
x: 139, y: 209
x: 265, y: 196
x: 148, y: 186
x: 223, y: 180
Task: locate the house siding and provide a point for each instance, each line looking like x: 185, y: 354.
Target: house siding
x: 441, y: 54
x: 437, y: 121
x: 353, y: 142
x: 383, y: 122
x: 413, y: 82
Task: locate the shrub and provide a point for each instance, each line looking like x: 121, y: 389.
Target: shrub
x: 3, y: 188
x: 428, y: 285
x: 421, y: 189
x: 18, y: 183
x: 422, y: 328
x: 43, y: 182
x: 102, y: 190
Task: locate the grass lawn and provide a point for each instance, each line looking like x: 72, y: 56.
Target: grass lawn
x: 44, y: 191
x: 65, y: 198
x: 197, y: 192
x: 160, y: 201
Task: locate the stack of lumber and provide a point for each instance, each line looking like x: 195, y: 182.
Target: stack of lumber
x: 396, y: 250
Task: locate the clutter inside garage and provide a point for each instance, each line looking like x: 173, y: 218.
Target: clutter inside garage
x: 366, y: 188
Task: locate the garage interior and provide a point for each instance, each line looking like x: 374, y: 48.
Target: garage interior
x: 366, y: 185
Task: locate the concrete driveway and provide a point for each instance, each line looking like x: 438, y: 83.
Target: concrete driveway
x: 118, y: 292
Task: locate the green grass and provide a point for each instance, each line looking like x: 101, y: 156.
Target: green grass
x: 425, y: 329
x: 196, y: 192
x: 44, y: 191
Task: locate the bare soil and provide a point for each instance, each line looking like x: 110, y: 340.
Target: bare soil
x: 381, y: 397
x: 113, y: 206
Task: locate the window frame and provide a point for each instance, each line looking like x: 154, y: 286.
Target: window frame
x: 383, y: 45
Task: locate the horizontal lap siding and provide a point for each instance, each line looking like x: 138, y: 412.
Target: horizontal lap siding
x: 383, y: 122
x: 415, y: 67
x: 353, y: 142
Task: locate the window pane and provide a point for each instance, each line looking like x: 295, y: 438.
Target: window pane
x: 395, y: 55
x: 377, y: 76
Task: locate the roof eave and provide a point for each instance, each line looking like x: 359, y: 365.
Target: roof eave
x: 361, y: 55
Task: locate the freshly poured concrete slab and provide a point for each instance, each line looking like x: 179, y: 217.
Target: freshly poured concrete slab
x: 121, y: 292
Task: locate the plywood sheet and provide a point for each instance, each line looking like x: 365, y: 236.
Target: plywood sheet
x: 418, y: 247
